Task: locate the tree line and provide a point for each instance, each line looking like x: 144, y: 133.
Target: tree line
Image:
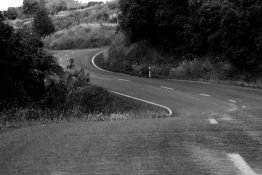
x: 24, y: 66
x: 228, y: 29
x: 30, y: 7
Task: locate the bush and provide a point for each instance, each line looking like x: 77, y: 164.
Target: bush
x: 193, y: 70
x: 70, y: 97
x: 42, y: 24
x: 30, y: 7
x: 24, y: 66
x: 73, y: 91
x: 205, y: 69
x: 133, y: 58
x: 80, y: 37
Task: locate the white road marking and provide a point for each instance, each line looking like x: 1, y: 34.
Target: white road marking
x: 233, y: 107
x: 170, y: 112
x: 240, y: 163
x: 166, y: 88
x: 243, y: 107
x: 101, y: 78
x: 232, y: 101
x: 213, y: 114
x: 190, y: 81
x: 206, y: 95
x: 226, y: 118
x: 123, y: 80
x: 212, y: 121
x: 93, y: 62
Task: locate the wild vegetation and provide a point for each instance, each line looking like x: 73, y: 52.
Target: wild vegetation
x: 36, y: 89
x: 101, y: 13
x: 53, y: 6
x: 42, y: 24
x: 80, y: 37
x: 190, y: 38
x: 87, y: 28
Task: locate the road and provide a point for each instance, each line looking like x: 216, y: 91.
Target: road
x: 214, y: 130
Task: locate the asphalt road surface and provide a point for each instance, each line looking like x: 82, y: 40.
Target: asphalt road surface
x: 214, y: 130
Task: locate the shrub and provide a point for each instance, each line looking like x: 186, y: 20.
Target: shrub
x: 205, y: 68
x: 43, y: 25
x: 30, y: 7
x: 24, y: 65
x: 133, y: 58
x: 194, y: 69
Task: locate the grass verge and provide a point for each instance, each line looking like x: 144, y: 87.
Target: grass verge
x: 72, y: 98
x: 121, y: 108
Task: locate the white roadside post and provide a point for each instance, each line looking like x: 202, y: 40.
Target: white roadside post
x: 149, y: 74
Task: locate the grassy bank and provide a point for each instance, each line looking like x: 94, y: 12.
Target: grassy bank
x: 80, y: 37
x: 119, y: 108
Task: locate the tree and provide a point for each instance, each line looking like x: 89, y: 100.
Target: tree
x: 62, y: 6
x: 137, y: 18
x: 161, y: 22
x: 30, y: 7
x: 11, y: 13
x: 24, y: 66
x: 231, y: 29
x: 43, y: 25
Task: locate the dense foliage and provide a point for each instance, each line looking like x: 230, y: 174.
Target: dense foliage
x: 230, y: 29
x: 11, y: 13
x: 30, y: 7
x: 43, y: 25
x: 24, y: 66
x: 54, y: 9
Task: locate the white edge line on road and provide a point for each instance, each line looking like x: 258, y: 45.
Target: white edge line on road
x: 123, y: 80
x: 162, y: 106
x: 212, y: 121
x: 206, y: 95
x: 172, y: 79
x: 190, y: 81
x: 232, y: 101
x: 240, y: 163
x: 168, y: 109
x: 166, y: 88
x: 93, y: 62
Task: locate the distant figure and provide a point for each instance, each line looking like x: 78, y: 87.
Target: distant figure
x: 71, y: 64
x: 117, y: 29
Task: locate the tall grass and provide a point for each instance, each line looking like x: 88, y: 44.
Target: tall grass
x: 80, y: 37
x: 96, y: 14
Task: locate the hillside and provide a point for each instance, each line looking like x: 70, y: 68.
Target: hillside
x: 103, y: 13
x: 69, y: 3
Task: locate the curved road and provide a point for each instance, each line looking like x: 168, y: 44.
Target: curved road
x: 214, y: 130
